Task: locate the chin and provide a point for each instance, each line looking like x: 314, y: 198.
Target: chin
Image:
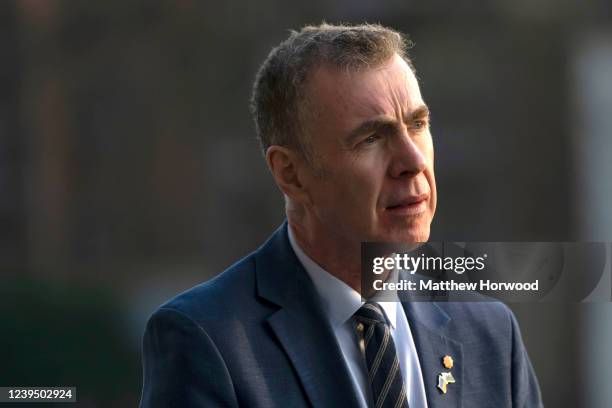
x: 406, y: 236
x: 412, y: 232
x: 412, y: 238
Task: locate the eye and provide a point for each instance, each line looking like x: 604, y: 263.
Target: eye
x: 420, y: 124
x: 371, y: 139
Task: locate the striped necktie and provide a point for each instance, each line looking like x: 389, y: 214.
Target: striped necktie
x: 384, y: 374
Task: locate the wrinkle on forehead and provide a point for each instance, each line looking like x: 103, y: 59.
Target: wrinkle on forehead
x: 393, y: 91
x: 345, y: 98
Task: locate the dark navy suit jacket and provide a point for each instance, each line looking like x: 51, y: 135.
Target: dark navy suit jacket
x: 255, y: 336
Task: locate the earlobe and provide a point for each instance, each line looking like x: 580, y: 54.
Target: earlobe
x: 286, y: 168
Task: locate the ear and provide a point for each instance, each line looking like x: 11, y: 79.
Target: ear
x: 287, y: 168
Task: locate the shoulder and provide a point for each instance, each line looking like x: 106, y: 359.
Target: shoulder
x: 224, y: 297
x: 234, y: 297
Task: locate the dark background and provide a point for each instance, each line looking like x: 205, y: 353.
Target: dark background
x: 129, y: 169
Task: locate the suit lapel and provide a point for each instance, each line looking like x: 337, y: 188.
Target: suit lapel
x: 427, y: 321
x: 300, y: 325
x: 316, y: 357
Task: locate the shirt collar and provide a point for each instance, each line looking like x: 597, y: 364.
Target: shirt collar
x: 340, y: 301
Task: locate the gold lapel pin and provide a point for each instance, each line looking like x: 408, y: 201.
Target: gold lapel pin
x: 444, y: 379
x: 447, y: 361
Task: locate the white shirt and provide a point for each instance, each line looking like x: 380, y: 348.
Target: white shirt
x: 340, y: 302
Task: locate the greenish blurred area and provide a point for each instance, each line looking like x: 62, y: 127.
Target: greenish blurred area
x: 67, y: 335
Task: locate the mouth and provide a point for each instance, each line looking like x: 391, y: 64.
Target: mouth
x: 411, y: 205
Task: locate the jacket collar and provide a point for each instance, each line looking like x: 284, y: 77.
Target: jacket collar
x: 300, y: 325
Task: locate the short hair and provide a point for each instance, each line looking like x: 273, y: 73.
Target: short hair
x: 278, y: 102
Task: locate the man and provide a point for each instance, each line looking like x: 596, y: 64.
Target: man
x: 346, y: 137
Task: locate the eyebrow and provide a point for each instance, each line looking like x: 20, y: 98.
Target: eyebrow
x: 420, y: 112
x: 381, y: 122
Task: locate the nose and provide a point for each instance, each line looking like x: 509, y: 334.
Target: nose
x: 408, y: 159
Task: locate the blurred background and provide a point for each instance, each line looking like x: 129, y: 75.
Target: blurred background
x: 129, y: 168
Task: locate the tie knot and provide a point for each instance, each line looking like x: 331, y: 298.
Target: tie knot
x: 371, y: 313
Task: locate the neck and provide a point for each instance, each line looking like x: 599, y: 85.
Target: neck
x: 340, y: 257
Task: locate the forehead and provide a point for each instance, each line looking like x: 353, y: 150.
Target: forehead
x: 343, y: 99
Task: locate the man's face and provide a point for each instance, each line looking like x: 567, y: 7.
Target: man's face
x: 370, y: 138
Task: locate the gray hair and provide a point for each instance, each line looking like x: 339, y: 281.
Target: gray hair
x: 279, y: 100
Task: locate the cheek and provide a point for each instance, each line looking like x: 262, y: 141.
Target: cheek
x: 426, y: 147
x: 366, y: 178
x: 428, y: 152
x: 357, y: 184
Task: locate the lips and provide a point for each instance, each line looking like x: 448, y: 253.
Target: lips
x: 408, y: 205
x: 407, y: 201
